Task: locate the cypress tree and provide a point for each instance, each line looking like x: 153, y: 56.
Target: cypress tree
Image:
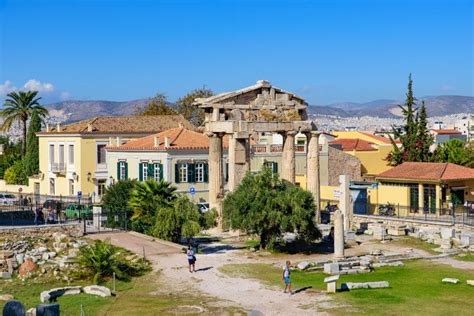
x: 31, y: 160
x: 415, y: 139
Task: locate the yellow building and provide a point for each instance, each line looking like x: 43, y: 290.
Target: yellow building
x: 371, y: 150
x: 421, y: 187
x: 73, y: 157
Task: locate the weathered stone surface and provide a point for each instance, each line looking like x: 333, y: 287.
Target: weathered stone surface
x: 20, y: 258
x: 27, y: 267
x: 47, y: 310
x: 332, y: 278
x: 450, y: 280
x: 365, y: 285
x: 303, y: 265
x: 31, y: 312
x: 470, y: 282
x: 338, y: 234
x: 14, y: 308
x: 97, y: 290
x: 447, y: 233
x: 6, y: 297
x: 331, y: 268
x: 467, y: 239
x: 387, y: 264
x: 5, y: 275
x: 53, y: 294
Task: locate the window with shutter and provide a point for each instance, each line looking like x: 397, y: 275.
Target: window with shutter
x: 191, y: 173
x: 206, y: 172
x: 140, y: 171
x: 177, y: 173
x: 161, y: 171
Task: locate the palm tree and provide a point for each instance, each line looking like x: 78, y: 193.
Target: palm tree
x: 145, y: 200
x: 18, y: 107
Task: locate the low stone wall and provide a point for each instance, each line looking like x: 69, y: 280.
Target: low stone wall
x: 358, y: 219
x: 18, y: 232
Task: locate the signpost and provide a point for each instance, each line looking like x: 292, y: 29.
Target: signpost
x: 192, y: 191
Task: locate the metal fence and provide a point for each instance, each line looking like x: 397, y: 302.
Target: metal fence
x: 458, y: 214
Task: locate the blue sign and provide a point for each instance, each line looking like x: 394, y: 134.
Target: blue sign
x: 79, y: 194
x: 192, y: 190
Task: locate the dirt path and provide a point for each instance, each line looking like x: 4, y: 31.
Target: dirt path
x: 248, y: 294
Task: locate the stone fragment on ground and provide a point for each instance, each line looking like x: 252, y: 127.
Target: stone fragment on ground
x: 6, y: 297
x: 53, y: 294
x: 365, y: 285
x: 450, y: 280
x: 97, y: 290
x: 470, y: 282
x: 303, y: 265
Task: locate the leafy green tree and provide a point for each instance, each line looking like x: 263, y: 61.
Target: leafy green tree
x: 16, y: 174
x: 11, y: 153
x: 145, y: 200
x: 179, y: 219
x: 415, y: 139
x: 192, y: 113
x: 269, y: 207
x: 115, y: 202
x: 19, y: 106
x: 31, y: 160
x: 454, y: 151
x: 158, y: 106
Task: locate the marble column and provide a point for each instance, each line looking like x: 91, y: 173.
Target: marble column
x: 239, y: 161
x: 338, y: 235
x: 420, y: 198
x: 288, y: 157
x: 216, y: 183
x: 312, y: 170
x: 345, y: 201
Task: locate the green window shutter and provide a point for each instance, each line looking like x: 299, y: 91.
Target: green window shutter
x: 227, y: 172
x: 206, y: 172
x: 126, y: 170
x: 275, y: 167
x: 118, y: 171
x: 140, y: 171
x: 176, y: 173
x: 161, y: 170
x: 151, y: 171
x: 191, y: 173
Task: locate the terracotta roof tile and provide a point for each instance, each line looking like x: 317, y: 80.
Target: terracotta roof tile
x: 138, y: 124
x: 357, y: 144
x: 428, y: 171
x: 446, y: 131
x: 180, y: 139
x: 378, y: 138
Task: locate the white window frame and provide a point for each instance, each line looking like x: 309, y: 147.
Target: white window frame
x: 102, y: 183
x: 156, y: 172
x: 199, y: 172
x: 52, y: 186
x: 98, y: 154
x: 71, y: 187
x: 183, y: 172
x: 61, y: 154
x: 51, y: 154
x: 122, y: 170
x: 70, y: 154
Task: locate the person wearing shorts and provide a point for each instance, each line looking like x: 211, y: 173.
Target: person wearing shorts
x: 191, y: 259
x: 286, y: 278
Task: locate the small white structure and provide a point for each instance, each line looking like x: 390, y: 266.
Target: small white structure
x: 331, y: 282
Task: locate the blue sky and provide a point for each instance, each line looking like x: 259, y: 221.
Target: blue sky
x: 326, y: 51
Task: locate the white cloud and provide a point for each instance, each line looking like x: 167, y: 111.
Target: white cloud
x: 37, y: 85
x: 7, y: 87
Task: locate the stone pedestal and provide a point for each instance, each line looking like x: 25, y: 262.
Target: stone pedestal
x: 288, y: 157
x: 338, y: 235
x: 216, y: 183
x: 312, y: 170
x: 331, y: 283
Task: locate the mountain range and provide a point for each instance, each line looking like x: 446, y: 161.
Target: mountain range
x: 435, y: 106
x: 71, y: 111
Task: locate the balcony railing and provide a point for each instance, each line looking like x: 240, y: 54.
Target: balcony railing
x: 58, y: 167
x: 275, y: 148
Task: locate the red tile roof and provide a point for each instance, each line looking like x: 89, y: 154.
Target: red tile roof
x: 428, y: 171
x: 180, y: 139
x: 446, y: 131
x: 353, y: 144
x: 379, y: 138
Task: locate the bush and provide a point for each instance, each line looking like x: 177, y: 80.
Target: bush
x: 269, y: 207
x: 15, y: 174
x: 115, y: 202
x: 101, y: 260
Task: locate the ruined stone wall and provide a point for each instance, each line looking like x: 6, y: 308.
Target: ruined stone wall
x: 341, y: 163
x: 18, y: 232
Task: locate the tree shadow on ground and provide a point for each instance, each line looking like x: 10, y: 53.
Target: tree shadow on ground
x: 302, y: 247
x: 215, y: 249
x: 302, y: 289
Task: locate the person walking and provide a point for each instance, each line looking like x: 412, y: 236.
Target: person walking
x: 191, y: 259
x: 286, y: 277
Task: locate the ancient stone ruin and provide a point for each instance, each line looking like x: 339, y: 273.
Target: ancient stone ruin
x: 261, y: 108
